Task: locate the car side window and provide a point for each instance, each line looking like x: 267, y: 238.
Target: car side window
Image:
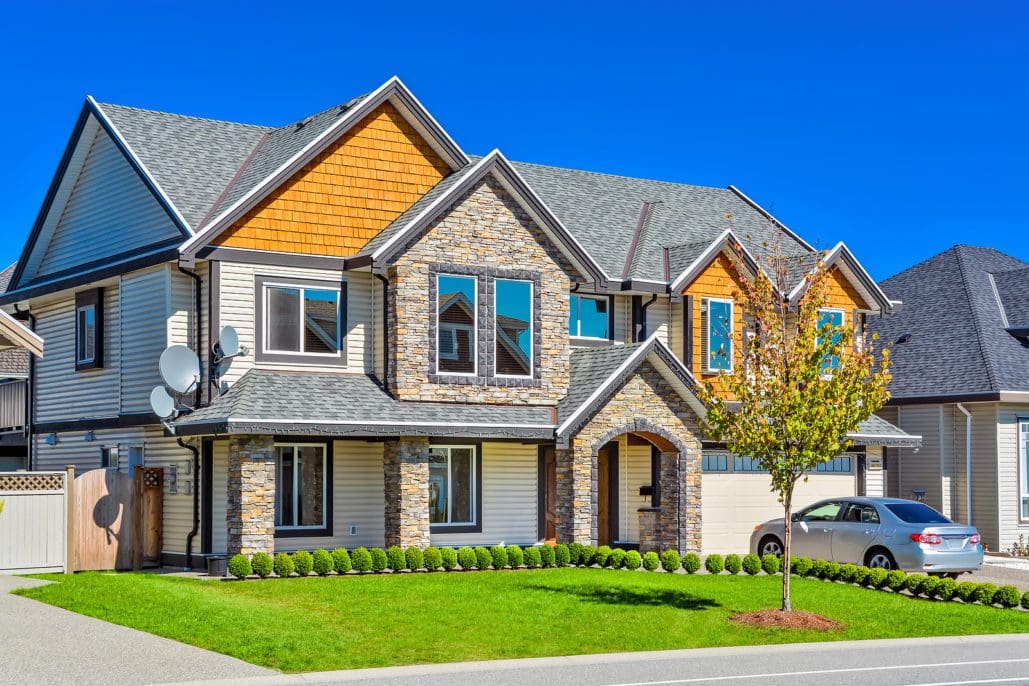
x: 826, y: 512
x: 863, y: 514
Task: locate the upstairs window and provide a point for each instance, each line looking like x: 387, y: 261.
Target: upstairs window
x: 513, y: 327
x: 716, y: 316
x: 302, y: 321
x: 456, y: 324
x: 833, y: 318
x: 589, y: 316
x: 89, y: 329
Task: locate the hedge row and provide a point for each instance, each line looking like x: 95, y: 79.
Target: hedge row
x: 396, y: 559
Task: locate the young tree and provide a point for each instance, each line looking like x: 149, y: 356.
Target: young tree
x: 803, y: 384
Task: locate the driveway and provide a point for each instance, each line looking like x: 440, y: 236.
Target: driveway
x: 42, y: 644
x: 1002, y: 571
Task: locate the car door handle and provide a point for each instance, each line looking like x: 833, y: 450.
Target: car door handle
x: 869, y: 532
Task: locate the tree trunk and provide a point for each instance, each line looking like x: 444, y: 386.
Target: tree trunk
x: 787, y: 541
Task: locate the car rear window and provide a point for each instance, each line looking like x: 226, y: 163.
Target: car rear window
x: 916, y: 513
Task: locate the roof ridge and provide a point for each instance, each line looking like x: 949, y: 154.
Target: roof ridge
x: 991, y: 377
x: 623, y: 176
x: 187, y: 116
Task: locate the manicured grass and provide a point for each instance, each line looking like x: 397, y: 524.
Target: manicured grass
x: 369, y: 621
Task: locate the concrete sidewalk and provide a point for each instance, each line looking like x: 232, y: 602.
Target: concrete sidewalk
x: 42, y: 644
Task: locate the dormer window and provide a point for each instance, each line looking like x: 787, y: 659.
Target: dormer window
x: 456, y: 324
x: 716, y: 315
x: 589, y: 316
x: 300, y: 321
x: 89, y: 329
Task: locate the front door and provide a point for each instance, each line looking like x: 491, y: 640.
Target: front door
x: 548, y: 495
x: 607, y: 494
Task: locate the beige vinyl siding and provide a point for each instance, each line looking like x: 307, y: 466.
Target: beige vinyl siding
x: 509, y: 494
x: 1010, y: 474
x: 144, y: 335
x: 985, y: 515
x: 109, y: 211
x: 219, y: 496
x: 676, y: 331
x: 875, y: 485
x: 891, y: 455
x: 920, y: 469
x: 62, y: 393
x: 659, y: 319
x: 634, y: 471
x: 378, y: 298
x: 947, y: 456
x: 623, y: 319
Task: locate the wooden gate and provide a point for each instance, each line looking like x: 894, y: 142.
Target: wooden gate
x: 117, y: 519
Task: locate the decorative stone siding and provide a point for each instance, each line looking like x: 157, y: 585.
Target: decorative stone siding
x: 648, y: 406
x: 406, y: 471
x: 488, y: 234
x: 251, y: 495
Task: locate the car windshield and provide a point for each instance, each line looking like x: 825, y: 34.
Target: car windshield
x: 916, y: 513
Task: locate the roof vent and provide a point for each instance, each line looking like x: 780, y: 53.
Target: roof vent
x: 302, y: 123
x: 904, y: 338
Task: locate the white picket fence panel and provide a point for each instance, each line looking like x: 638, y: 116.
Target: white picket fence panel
x: 33, y: 523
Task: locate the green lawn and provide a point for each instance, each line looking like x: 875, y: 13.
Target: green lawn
x: 368, y: 621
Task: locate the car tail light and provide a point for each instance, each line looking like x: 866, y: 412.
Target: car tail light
x: 975, y: 539
x: 930, y: 539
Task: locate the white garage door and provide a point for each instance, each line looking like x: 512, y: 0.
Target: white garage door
x: 733, y: 502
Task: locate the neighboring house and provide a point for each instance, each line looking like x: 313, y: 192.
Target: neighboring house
x: 14, y: 374
x: 440, y: 349
x: 961, y: 381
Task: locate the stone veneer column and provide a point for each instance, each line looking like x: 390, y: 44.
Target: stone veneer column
x: 406, y: 472
x: 576, y: 505
x: 251, y: 495
x: 677, y: 527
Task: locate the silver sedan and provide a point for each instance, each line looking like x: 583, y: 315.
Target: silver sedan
x: 890, y: 533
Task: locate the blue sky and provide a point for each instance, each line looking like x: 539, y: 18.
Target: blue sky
x: 899, y: 128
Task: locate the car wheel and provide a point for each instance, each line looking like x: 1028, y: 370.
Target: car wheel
x: 880, y: 558
x: 770, y: 545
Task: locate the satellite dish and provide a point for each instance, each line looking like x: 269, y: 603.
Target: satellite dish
x: 180, y: 368
x: 228, y: 341
x: 162, y: 404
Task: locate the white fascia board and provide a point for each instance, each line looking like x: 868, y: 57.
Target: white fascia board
x: 18, y: 333
x: 858, y: 434
x: 334, y: 422
x: 787, y: 230
x: 460, y: 158
x: 841, y: 251
x: 661, y: 363
x: 109, y: 125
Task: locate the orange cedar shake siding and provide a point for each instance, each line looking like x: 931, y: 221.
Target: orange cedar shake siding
x: 719, y: 280
x: 347, y: 194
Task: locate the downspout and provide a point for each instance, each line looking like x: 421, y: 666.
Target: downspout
x: 968, y: 459
x: 385, y: 330
x: 196, y: 501
x: 640, y: 329
x: 197, y: 326
x: 30, y: 384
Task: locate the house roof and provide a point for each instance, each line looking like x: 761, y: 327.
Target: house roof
x: 877, y: 431
x: 306, y: 403
x: 958, y: 307
x: 14, y: 362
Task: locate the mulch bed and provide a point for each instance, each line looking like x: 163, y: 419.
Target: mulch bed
x: 794, y: 619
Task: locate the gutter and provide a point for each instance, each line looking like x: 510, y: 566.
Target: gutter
x: 968, y: 459
x: 196, y: 502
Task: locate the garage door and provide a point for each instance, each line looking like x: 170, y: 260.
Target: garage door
x: 733, y: 502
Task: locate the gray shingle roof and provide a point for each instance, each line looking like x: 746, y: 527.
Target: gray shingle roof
x: 342, y: 404
x: 877, y: 431
x: 13, y: 362
x: 591, y: 367
x: 1013, y: 289
x: 958, y: 343
x: 5, y: 276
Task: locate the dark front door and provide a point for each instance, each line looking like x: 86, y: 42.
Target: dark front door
x: 607, y: 494
x: 548, y: 495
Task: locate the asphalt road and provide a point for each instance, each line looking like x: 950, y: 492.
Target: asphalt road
x: 956, y: 661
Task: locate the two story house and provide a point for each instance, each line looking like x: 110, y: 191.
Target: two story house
x: 436, y: 348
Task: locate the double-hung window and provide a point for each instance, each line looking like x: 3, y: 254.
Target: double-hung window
x: 512, y: 327
x: 589, y: 316
x: 717, y: 333
x: 89, y: 329
x: 834, y: 318
x: 302, y: 321
x: 1023, y: 452
x: 456, y: 324
x: 301, y: 488
x: 453, y: 488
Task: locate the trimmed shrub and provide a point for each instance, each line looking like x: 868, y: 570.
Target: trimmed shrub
x: 670, y: 561
x: 341, y: 561
x: 261, y: 564
x: 877, y: 577
x: 603, y: 556
x: 946, y: 589
x: 984, y: 594
x: 448, y: 557
x: 362, y: 560
x: 379, y: 560
x: 483, y: 560
x: 466, y: 558
x: 515, y: 556
x: 897, y: 580
x: 617, y: 559
x: 587, y: 553
x: 321, y: 562
x: 551, y: 556
x: 562, y: 556
x: 751, y: 564
x: 1025, y: 600
x: 771, y: 564
x: 651, y: 561
x: 1006, y: 596
x: 966, y: 591
x: 433, y: 559
x: 733, y: 563
x: 574, y: 553
x: 395, y: 559
x: 498, y: 553
x: 714, y: 564
x: 303, y: 562
x: 930, y: 585
x: 915, y: 583
x: 818, y: 569
x: 831, y: 571
x: 801, y: 566
x: 533, y: 559
x: 633, y: 560
x: 239, y: 566
x: 283, y: 564
x: 692, y: 563
x: 847, y: 573
x: 415, y: 558
x: 861, y: 575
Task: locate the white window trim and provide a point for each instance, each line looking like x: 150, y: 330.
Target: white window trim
x: 296, y: 482
x: 80, y: 335
x: 708, y: 369
x: 578, y: 320
x: 268, y: 350
x: 532, y: 330
x: 1022, y: 441
x: 818, y: 341
x: 474, y: 327
x: 473, y: 481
